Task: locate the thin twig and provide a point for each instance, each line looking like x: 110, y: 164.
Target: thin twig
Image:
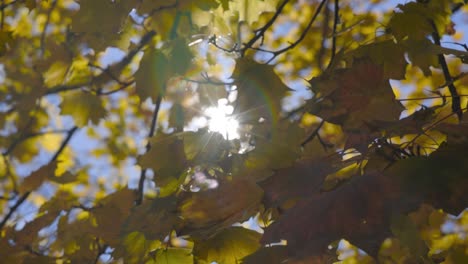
x: 23, y: 197
x: 259, y: 33
x: 335, y: 24
x: 113, y: 69
x: 313, y: 134
x: 432, y: 126
x: 428, y: 98
x: 154, y: 120
x: 303, y: 34
x: 456, y: 104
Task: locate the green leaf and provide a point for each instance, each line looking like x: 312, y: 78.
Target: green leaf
x: 152, y: 75
x: 415, y: 19
x: 135, y: 247
x: 228, y: 246
x: 174, y: 256
x: 249, y: 11
x: 386, y: 53
x: 180, y: 57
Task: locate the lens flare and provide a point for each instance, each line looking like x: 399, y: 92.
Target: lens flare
x: 221, y: 121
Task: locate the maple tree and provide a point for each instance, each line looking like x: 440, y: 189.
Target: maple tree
x: 233, y: 131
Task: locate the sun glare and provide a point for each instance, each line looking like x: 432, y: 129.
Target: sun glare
x: 221, y: 121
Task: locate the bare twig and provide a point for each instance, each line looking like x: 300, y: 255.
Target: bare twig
x: 141, y: 182
x: 303, y: 34
x: 428, y: 98
x: 113, y: 69
x: 259, y: 33
x: 335, y: 24
x: 456, y: 104
x: 313, y: 134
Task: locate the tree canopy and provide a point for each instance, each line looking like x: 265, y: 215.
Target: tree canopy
x: 233, y: 131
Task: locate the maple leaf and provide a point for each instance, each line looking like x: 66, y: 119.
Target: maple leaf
x: 249, y: 11
x: 303, y: 179
x: 228, y: 246
x: 260, y: 91
x: 152, y: 75
x: 111, y: 213
x: 353, y: 97
x: 207, y: 211
x: 36, y: 178
x: 333, y: 215
x: 386, y: 53
x: 154, y: 218
x: 180, y: 56
x: 272, y: 255
x: 166, y: 158
x: 173, y: 256
x: 83, y: 107
x: 414, y: 20
x: 100, y: 19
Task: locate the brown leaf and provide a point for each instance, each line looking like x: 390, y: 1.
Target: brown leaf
x: 359, y: 211
x: 155, y: 219
x: 260, y: 91
x: 231, y: 202
x: 36, y: 178
x: 303, y: 179
x: 355, y: 95
x: 111, y: 213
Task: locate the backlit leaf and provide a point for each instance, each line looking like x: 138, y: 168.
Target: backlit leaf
x: 83, y: 107
x: 228, y: 246
x: 152, y: 75
x: 173, y: 256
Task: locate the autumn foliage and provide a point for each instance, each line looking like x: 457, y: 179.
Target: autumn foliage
x: 232, y: 131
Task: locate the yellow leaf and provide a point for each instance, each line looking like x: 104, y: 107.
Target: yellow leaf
x: 83, y: 107
x: 228, y: 246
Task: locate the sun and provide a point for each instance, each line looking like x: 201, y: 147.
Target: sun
x: 220, y: 120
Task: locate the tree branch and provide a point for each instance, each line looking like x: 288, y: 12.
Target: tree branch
x: 25, y: 196
x: 303, y: 34
x: 259, y: 33
x: 335, y: 24
x: 154, y: 120
x: 456, y: 104
x: 105, y: 76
